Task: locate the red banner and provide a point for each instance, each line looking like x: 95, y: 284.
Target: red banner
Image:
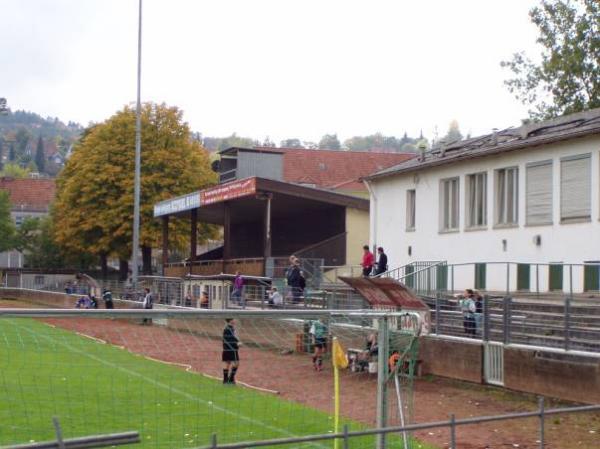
x: 228, y: 191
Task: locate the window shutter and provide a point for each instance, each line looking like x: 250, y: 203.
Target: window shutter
x: 575, y: 187
x: 539, y: 193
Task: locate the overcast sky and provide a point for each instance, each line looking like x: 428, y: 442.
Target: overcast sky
x: 277, y: 68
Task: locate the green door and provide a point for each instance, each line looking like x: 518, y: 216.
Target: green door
x: 556, y: 276
x: 409, y: 279
x: 442, y: 278
x: 591, y: 277
x: 480, y: 276
x: 523, y: 276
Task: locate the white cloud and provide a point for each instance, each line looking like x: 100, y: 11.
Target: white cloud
x: 268, y: 67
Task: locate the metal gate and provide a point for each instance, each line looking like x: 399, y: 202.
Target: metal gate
x: 493, y: 363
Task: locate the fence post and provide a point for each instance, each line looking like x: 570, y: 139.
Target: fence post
x: 452, y: 279
x: 437, y: 313
x: 346, y: 439
x: 452, y: 432
x: 507, y: 318
x: 567, y: 323
x: 537, y: 279
x: 507, y: 278
x: 486, y: 318
x: 59, y: 438
x: 213, y: 442
x: 383, y: 353
x: 541, y: 403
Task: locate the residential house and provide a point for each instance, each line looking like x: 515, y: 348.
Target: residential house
x: 28, y: 198
x: 528, y: 195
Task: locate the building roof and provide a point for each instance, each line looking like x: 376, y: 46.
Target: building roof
x: 571, y: 126
x: 34, y: 195
x: 330, y: 169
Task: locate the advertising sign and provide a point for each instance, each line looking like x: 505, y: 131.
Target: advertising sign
x: 179, y: 204
x: 228, y: 191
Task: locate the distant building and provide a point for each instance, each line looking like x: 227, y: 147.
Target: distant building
x: 28, y: 198
x: 526, y: 195
x: 339, y: 171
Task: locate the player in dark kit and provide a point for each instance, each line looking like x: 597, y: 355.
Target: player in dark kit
x: 231, y: 357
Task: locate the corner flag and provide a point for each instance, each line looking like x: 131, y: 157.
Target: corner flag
x: 338, y: 358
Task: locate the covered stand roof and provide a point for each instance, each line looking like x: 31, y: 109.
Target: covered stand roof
x: 288, y: 199
x: 386, y: 292
x: 534, y: 134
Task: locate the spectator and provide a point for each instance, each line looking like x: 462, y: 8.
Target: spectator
x: 467, y: 307
x: 393, y: 361
x: 204, y: 301
x: 372, y: 344
x: 275, y: 298
x: 68, y: 288
x: 230, y: 356
x: 147, y: 303
x: 83, y: 303
x: 93, y: 302
x: 238, y: 285
x: 368, y: 261
x: 108, y: 299
x: 302, y: 283
x: 294, y: 279
x: 478, y: 313
x: 382, y: 263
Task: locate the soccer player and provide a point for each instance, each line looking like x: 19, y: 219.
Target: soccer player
x: 231, y: 357
x: 319, y: 333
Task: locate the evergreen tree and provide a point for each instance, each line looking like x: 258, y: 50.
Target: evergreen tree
x: 7, y: 227
x: 40, y: 157
x: 11, y: 153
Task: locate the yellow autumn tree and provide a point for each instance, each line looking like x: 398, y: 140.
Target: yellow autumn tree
x: 93, y: 211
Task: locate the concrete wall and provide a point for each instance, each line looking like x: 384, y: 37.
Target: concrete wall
x: 556, y: 375
x: 447, y: 358
x: 572, y: 378
x: 357, y: 234
x: 579, y: 242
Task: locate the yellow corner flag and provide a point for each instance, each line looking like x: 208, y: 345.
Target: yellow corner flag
x: 338, y: 355
x: 339, y: 360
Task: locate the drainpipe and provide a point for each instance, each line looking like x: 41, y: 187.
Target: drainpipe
x: 372, y: 210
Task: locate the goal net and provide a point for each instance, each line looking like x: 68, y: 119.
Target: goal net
x: 183, y: 378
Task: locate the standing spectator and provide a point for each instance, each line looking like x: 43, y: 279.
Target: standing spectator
x: 478, y: 313
x: 368, y: 261
x: 147, y: 303
x: 230, y: 356
x: 108, y: 299
x: 467, y: 307
x: 204, y: 301
x: 382, y: 263
x: 318, y: 330
x: 294, y: 279
x: 302, y: 283
x: 238, y: 285
x: 275, y: 298
x: 68, y: 288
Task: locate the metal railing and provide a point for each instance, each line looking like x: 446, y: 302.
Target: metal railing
x: 541, y: 413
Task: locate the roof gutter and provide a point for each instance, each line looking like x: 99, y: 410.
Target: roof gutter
x: 372, y: 212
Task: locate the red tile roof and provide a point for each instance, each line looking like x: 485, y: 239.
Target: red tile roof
x: 337, y: 170
x: 29, y: 194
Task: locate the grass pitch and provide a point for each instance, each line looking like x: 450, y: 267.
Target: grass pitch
x: 95, y: 388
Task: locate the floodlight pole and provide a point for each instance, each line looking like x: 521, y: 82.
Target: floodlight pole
x: 138, y: 152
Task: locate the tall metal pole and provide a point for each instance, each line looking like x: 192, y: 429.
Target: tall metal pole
x: 138, y: 151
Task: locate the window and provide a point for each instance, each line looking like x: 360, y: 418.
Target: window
x: 449, y: 204
x: 575, y: 188
x: 410, y: 210
x: 507, y: 196
x: 476, y: 200
x: 538, y: 200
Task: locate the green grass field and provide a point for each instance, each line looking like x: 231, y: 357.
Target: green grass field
x: 95, y: 388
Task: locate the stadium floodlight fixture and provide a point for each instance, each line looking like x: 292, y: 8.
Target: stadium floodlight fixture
x: 138, y: 151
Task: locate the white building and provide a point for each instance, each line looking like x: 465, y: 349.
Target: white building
x: 528, y: 195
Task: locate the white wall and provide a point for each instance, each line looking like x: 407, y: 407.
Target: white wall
x: 568, y: 243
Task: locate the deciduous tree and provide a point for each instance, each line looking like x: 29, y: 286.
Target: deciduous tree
x: 94, y: 206
x: 566, y: 79
x: 330, y: 142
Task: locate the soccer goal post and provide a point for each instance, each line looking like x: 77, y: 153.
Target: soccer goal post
x: 178, y: 377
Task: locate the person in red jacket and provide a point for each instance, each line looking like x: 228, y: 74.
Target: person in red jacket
x: 368, y: 261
